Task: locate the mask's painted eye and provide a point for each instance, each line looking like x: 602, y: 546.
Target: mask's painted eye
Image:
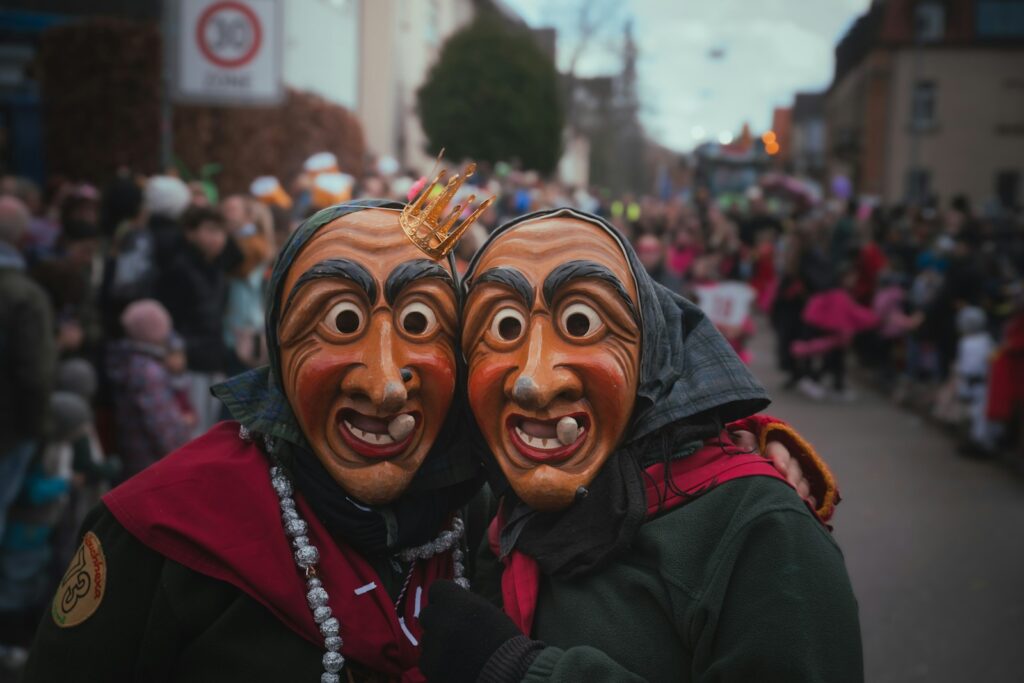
x: 580, y: 321
x: 345, y: 317
x: 508, y: 324
x: 417, y: 319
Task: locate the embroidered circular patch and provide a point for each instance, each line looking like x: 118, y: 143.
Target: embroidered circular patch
x: 81, y: 590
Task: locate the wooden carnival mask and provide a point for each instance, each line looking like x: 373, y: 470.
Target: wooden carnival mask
x: 552, y: 339
x: 367, y: 351
x: 368, y: 335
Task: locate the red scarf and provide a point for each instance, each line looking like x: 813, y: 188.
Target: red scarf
x: 210, y: 507
x: 717, y: 462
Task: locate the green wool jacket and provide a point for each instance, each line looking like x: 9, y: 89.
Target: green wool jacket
x: 740, y: 584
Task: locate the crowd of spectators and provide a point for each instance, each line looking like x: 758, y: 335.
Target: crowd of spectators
x: 120, y: 308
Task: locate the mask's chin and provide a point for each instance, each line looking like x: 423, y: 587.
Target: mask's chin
x: 378, y: 484
x: 548, y: 489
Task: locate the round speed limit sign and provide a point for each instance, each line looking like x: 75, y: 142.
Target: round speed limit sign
x: 229, y: 34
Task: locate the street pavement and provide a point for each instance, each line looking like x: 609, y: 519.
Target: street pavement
x: 934, y: 542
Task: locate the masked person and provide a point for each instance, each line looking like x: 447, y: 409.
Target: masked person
x: 299, y: 539
x: 637, y: 542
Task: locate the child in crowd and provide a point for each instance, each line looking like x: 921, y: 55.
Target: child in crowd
x: 832, y: 319
x: 176, y: 363
x: 974, y: 353
x: 728, y: 304
x: 93, y: 470
x: 150, y: 422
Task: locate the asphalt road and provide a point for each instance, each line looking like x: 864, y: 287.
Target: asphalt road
x: 934, y: 542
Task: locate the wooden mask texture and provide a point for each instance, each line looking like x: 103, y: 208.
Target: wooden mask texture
x: 367, y: 338
x: 552, y: 339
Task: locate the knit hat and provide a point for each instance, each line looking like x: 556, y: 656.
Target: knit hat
x: 268, y: 190
x: 147, y: 321
x: 321, y: 162
x: 167, y: 196
x: 77, y: 376
x: 69, y: 412
x: 332, y: 188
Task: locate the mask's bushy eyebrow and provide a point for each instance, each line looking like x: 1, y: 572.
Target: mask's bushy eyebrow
x: 335, y: 268
x: 409, y: 271
x: 509, y: 277
x: 579, y: 270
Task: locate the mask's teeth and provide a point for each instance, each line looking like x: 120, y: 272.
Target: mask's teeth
x: 568, y: 430
x: 401, y: 426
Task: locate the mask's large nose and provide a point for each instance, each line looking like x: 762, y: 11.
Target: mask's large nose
x: 544, y: 375
x: 378, y: 379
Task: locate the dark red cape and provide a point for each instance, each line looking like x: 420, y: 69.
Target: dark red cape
x: 210, y: 507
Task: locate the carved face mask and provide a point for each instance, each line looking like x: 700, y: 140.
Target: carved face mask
x: 553, y: 346
x: 367, y: 336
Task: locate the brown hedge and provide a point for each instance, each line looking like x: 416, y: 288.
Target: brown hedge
x: 101, y: 82
x: 251, y: 141
x: 100, y: 91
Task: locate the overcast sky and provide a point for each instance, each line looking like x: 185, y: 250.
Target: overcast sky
x: 706, y: 66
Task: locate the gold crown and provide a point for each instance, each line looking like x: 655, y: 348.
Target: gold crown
x: 426, y: 227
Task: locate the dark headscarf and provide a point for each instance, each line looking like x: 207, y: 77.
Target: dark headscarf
x: 691, y: 383
x: 448, y: 477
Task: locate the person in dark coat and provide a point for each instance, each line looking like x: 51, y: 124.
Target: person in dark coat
x: 27, y: 356
x: 193, y: 287
x: 634, y: 541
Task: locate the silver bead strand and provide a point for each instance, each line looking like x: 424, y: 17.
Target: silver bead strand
x: 307, y: 558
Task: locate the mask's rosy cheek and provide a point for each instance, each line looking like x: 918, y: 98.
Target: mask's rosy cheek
x: 610, y: 388
x: 317, y: 383
x: 486, y: 383
x: 436, y: 367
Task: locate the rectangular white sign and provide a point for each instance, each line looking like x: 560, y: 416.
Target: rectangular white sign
x: 228, y: 52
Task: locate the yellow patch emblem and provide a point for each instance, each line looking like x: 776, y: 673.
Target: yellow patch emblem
x: 81, y: 590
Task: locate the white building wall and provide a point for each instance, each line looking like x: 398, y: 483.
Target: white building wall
x: 321, y: 48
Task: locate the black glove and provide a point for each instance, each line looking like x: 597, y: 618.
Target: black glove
x: 461, y: 634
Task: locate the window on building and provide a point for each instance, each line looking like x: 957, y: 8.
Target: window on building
x: 929, y: 21
x: 922, y: 104
x: 1008, y: 188
x: 918, y: 189
x: 999, y: 18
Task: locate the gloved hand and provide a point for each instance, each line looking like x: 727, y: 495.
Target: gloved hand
x: 462, y: 632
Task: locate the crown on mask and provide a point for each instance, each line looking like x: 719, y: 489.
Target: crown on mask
x: 425, y: 221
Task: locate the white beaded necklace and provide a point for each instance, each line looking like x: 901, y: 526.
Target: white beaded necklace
x: 307, y: 557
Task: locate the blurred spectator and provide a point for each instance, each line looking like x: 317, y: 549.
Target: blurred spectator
x: 26, y: 549
x: 651, y: 251
x: 150, y: 421
x: 166, y: 199
x: 130, y: 270
x: 93, y: 471
x: 1006, y: 383
x: 176, y: 362
x: 759, y: 219
x: 193, y: 287
x: 27, y: 356
x: 832, y: 319
x: 251, y: 225
x: 972, y: 364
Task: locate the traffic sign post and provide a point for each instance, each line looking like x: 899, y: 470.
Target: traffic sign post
x: 228, y: 52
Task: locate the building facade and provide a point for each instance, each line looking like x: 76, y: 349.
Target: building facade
x: 928, y: 102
